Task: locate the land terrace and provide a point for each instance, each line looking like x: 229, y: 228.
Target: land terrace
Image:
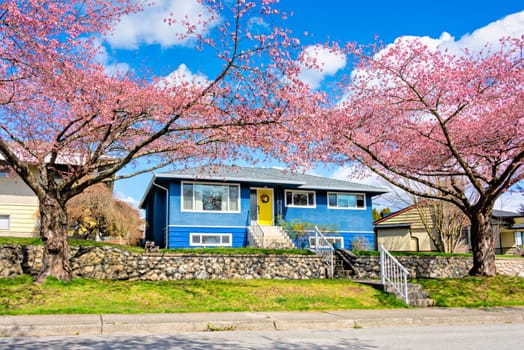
x: 115, y: 263
x: 236, y: 206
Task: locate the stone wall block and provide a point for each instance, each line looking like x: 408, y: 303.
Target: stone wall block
x: 112, y: 263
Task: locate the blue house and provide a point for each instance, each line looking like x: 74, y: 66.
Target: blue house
x: 241, y: 206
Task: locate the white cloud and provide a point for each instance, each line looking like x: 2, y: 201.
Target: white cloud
x: 127, y: 199
x: 110, y: 68
x: 509, y: 26
x: 510, y: 201
x: 150, y: 26
x: 182, y: 75
x: 326, y: 62
x: 117, y: 69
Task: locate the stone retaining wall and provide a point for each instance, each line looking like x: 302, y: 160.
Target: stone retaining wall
x: 436, y: 266
x: 112, y: 263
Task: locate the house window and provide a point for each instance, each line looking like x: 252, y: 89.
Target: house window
x: 346, y: 200
x: 4, y: 222
x: 210, y: 197
x: 334, y: 241
x: 304, y: 199
x: 211, y: 239
x: 519, y: 238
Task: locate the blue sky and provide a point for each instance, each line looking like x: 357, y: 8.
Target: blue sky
x: 142, y: 40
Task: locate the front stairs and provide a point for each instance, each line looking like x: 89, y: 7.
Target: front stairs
x: 343, y: 262
x: 270, y: 237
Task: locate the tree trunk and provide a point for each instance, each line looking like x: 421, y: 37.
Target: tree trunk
x: 482, y: 245
x: 53, y: 231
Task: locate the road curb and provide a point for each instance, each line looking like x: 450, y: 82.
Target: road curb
x: 121, y: 324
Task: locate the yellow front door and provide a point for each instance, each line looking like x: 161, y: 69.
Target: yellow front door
x: 265, y: 206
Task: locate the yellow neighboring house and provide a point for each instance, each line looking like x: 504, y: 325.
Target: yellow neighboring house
x: 509, y: 231
x: 404, y: 231
x: 18, y: 207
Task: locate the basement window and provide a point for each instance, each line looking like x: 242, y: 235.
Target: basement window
x: 4, y: 222
x: 210, y: 239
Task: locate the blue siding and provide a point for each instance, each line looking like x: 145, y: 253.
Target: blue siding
x: 356, y: 220
x: 156, y: 217
x: 351, y: 224
x: 179, y: 236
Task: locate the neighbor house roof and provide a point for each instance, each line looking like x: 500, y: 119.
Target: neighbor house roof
x: 266, y: 176
x: 505, y: 214
x: 496, y: 213
x: 392, y: 215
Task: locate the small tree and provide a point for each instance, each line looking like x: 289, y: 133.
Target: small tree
x: 444, y: 223
x: 377, y: 215
x: 95, y: 214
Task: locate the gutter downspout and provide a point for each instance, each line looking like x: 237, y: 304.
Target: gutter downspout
x: 414, y: 238
x: 166, y: 228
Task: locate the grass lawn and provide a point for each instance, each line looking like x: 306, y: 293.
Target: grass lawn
x: 134, y: 249
x: 475, y: 291
x: 82, y: 296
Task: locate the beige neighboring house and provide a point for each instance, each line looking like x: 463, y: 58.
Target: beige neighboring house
x: 404, y: 231
x: 18, y: 207
x: 509, y: 231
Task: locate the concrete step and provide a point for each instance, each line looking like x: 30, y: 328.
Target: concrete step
x: 417, y: 297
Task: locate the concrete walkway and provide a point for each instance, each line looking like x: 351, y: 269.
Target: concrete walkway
x: 117, y: 324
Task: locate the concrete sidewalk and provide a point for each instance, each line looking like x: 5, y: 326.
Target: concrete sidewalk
x: 114, y: 324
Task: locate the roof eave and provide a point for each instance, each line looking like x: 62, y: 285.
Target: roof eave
x: 228, y: 179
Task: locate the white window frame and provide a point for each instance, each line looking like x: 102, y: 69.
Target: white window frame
x: 331, y: 240
x: 300, y: 206
x: 194, y: 183
x: 346, y: 193
x: 519, y: 238
x: 5, y: 222
x: 221, y: 235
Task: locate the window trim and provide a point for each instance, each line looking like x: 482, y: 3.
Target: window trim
x: 517, y: 238
x: 7, y: 219
x: 330, y: 239
x: 348, y: 208
x: 193, y: 234
x: 182, y: 183
x: 301, y: 206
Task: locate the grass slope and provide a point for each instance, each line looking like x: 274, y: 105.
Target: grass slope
x: 82, y: 296
x: 475, y: 291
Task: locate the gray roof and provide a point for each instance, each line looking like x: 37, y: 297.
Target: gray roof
x: 269, y: 176
x: 505, y: 214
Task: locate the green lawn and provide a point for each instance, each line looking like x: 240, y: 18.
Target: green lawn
x: 82, y: 296
x: 475, y: 291
x: 21, y: 296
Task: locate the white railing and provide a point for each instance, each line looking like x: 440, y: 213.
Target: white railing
x: 392, y: 272
x: 325, y: 250
x: 258, y: 234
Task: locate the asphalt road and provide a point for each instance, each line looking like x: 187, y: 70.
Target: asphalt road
x: 478, y: 337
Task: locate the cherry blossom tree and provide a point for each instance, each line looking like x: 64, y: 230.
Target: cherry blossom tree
x: 419, y: 115
x: 62, y: 115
